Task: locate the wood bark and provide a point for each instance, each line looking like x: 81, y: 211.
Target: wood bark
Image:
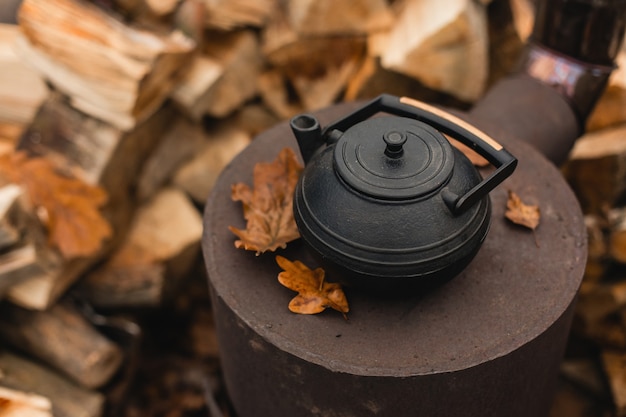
x: 198, y: 176
x: 159, y: 250
x: 62, y: 338
x: 96, y: 153
x: 67, y: 398
x: 112, y: 71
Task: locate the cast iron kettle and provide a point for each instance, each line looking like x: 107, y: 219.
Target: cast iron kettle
x: 386, y: 203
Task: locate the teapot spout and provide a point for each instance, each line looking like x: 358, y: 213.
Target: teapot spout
x: 308, y: 133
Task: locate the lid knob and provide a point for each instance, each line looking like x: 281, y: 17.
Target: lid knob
x: 394, y: 140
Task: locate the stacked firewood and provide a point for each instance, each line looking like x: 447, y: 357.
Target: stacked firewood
x: 596, y: 170
x: 147, y: 100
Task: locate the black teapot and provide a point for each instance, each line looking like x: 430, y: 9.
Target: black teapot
x: 386, y: 202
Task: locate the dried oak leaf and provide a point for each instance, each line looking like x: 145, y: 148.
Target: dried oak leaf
x: 72, y: 216
x: 314, y: 293
x: 520, y: 213
x: 268, y: 209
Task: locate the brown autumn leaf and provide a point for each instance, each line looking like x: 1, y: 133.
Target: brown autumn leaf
x: 268, y: 208
x: 520, y: 213
x: 71, y: 207
x: 314, y: 293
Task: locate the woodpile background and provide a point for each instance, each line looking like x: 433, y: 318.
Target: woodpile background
x: 150, y: 99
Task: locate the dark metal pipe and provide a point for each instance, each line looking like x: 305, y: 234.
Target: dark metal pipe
x: 562, y: 74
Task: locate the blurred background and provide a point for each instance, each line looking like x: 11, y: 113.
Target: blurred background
x: 143, y: 102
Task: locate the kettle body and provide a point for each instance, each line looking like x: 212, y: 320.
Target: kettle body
x: 385, y: 202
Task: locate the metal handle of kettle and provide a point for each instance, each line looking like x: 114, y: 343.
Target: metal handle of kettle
x: 452, y: 126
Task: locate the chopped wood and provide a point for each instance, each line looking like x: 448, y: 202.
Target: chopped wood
x: 161, y: 8
x: 596, y: 168
x: 239, y: 56
x: 194, y: 88
x: 15, y: 403
x: 600, y: 301
x: 180, y: 143
x: 610, y: 110
x: 12, y: 215
x: 96, y: 152
x: 617, y: 235
x: 232, y: 14
x: 198, y: 176
x: 329, y: 17
x: 277, y: 95
x: 159, y: 250
x: 319, y: 84
x: 446, y: 48
x: 585, y: 373
x: 64, y: 339
x: 9, y: 134
x: 99, y: 154
x: 597, y: 248
x: 22, y: 89
x: 255, y: 118
x: 614, y: 363
x: 523, y: 17
x: 67, y: 398
x: 110, y: 70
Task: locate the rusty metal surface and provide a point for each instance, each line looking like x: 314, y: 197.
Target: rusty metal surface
x: 488, y: 343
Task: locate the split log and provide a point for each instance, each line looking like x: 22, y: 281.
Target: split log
x: 198, y: 176
x: 62, y: 338
x: 329, y: 17
x: 15, y: 403
x: 98, y: 154
x: 371, y: 80
x: 161, y: 8
x: 319, y: 82
x: 597, y: 252
x: 224, y: 78
x: 194, y: 87
x: 610, y: 110
x: 12, y: 216
x: 523, y: 17
x: 68, y: 399
x: 585, y: 373
x: 444, y: 47
x: 617, y: 235
x: 274, y: 89
x: 232, y: 14
x: 159, y: 250
x: 254, y: 118
x: 22, y: 89
x: 599, y: 301
x: 614, y: 363
x: 110, y: 70
x: 180, y: 143
x: 596, y: 169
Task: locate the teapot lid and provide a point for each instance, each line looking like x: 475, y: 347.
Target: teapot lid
x: 394, y: 158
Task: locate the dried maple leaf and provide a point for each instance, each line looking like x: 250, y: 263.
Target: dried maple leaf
x: 520, y: 213
x: 71, y: 207
x: 268, y: 209
x: 314, y: 293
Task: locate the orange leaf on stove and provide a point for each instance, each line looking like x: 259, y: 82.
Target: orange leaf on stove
x: 268, y: 207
